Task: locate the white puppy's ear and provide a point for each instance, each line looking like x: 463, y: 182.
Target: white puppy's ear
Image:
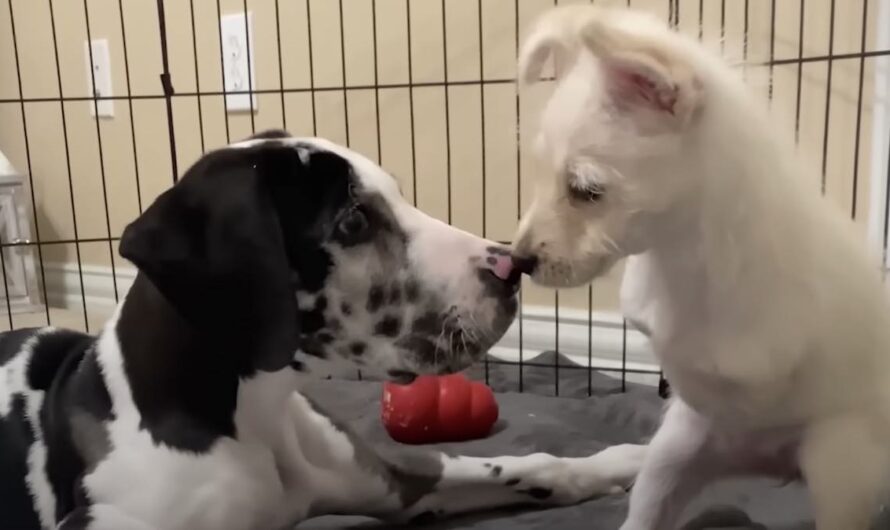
x: 644, y: 71
x: 554, y: 34
x: 536, y: 50
x: 643, y: 67
x: 636, y: 80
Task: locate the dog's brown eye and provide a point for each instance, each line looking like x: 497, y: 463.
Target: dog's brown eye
x: 586, y: 193
x: 354, y: 224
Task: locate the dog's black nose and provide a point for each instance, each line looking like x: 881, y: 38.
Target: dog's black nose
x: 525, y: 264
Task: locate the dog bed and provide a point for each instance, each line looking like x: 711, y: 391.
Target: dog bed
x: 568, y: 426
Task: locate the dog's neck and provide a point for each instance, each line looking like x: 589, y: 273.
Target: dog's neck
x: 182, y: 378
x: 748, y: 228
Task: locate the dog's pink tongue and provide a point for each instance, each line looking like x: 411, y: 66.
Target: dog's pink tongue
x: 503, y: 267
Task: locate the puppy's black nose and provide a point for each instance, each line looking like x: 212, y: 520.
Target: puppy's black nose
x: 525, y: 264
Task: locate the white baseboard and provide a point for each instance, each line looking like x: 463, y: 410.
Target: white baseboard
x: 598, y: 339
x: 63, y: 285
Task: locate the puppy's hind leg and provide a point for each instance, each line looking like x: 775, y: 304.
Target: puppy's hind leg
x: 846, y: 464
x: 675, y: 470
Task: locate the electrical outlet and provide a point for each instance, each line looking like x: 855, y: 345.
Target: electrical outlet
x: 237, y: 43
x: 99, y: 69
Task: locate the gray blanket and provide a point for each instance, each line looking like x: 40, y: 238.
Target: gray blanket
x: 574, y: 425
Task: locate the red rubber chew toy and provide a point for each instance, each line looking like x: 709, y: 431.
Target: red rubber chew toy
x: 446, y: 408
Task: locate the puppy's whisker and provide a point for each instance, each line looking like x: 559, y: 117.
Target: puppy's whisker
x: 610, y: 244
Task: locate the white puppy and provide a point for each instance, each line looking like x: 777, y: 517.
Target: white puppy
x: 763, y: 307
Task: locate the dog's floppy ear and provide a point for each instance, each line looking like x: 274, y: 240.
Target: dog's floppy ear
x: 212, y: 246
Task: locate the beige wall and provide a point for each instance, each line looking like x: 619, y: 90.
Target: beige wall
x: 474, y: 158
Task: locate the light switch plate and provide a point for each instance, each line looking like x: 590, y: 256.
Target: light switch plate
x: 100, y: 70
x: 237, y: 42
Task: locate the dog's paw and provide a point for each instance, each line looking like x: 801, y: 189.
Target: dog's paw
x: 563, y: 481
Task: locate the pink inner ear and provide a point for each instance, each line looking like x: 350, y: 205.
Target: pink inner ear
x: 635, y: 88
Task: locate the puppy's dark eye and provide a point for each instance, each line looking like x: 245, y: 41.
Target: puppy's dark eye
x: 353, y: 225
x: 586, y: 192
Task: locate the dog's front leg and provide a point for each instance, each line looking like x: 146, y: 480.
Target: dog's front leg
x: 346, y: 475
x: 478, y: 483
x: 676, y: 468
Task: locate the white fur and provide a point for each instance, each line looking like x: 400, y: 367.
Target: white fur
x: 762, y: 305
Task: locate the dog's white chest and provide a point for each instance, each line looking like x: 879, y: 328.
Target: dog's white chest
x: 235, y: 486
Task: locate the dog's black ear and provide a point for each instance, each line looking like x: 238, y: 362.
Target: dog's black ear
x: 212, y: 245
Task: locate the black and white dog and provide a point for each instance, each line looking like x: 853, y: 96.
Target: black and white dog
x: 185, y: 412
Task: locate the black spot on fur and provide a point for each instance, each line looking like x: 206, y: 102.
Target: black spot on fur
x: 375, y: 298
x: 419, y: 346
x: 496, y: 471
x: 539, y: 493
x: 389, y: 326
x: 346, y: 309
x: 311, y: 321
x: 491, y: 260
x: 325, y: 338
x: 430, y: 323
x: 500, y: 251
x: 487, y: 465
x: 512, y: 482
x: 334, y: 325
x: 312, y: 346
x: 321, y: 303
x: 296, y: 365
x: 412, y: 292
x: 395, y: 295
x: 358, y: 348
x: 423, y: 517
